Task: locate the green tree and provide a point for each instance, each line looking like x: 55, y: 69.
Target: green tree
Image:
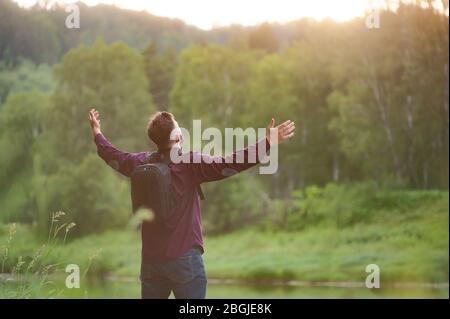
x: 211, y: 84
x: 112, y: 79
x: 263, y: 38
x: 160, y: 71
x: 90, y: 194
x: 393, y: 113
x: 20, y: 128
x: 25, y: 77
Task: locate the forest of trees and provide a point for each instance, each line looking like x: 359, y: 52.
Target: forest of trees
x: 369, y: 104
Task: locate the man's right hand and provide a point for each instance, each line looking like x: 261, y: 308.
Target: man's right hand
x: 94, y: 120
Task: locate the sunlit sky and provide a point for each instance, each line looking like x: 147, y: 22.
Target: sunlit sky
x: 207, y: 14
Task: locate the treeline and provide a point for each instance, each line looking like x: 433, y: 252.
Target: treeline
x: 40, y: 34
x: 370, y: 105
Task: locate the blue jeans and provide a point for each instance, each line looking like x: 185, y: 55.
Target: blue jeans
x: 185, y: 276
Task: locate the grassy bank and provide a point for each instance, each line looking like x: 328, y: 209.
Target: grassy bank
x: 409, y: 246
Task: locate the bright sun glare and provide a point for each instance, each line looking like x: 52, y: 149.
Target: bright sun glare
x: 211, y: 13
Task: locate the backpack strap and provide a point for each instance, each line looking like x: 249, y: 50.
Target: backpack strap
x: 158, y: 157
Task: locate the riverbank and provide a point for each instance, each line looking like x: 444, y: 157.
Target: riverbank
x: 416, y: 251
x: 408, y: 240
x: 129, y: 287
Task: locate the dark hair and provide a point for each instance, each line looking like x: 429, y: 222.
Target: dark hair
x: 159, y: 128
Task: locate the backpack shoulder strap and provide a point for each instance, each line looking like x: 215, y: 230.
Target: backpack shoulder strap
x: 152, y: 157
x: 157, y: 157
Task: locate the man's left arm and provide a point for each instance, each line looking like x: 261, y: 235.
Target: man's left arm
x: 208, y: 168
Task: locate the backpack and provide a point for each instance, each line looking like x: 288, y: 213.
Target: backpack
x: 151, y: 188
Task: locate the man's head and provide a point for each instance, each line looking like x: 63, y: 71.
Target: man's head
x: 159, y: 128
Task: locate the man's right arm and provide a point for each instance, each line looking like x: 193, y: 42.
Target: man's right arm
x: 123, y: 162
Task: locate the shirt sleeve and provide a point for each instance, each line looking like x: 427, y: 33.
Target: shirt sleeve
x: 206, y: 168
x: 123, y: 162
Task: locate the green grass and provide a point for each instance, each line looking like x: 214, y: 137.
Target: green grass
x: 407, y: 246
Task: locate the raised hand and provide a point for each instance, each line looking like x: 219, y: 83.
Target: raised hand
x: 94, y: 121
x: 284, y: 131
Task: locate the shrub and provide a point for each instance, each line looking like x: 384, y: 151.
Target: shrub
x: 348, y: 204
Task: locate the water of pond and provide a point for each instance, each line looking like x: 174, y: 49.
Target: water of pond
x: 120, y: 289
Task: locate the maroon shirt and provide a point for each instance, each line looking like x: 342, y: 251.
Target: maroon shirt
x: 158, y: 243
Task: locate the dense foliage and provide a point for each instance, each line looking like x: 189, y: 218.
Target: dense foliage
x: 369, y: 104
